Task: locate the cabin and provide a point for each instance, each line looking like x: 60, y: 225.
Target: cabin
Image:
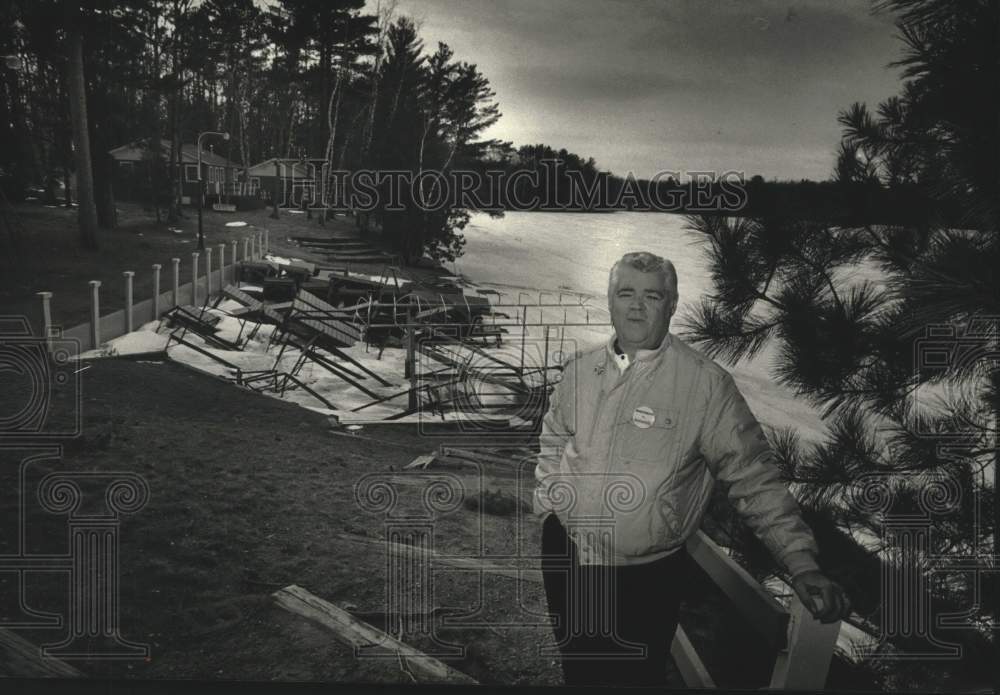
x: 291, y: 180
x: 222, y: 177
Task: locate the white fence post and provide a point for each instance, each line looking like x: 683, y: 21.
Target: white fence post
x: 235, y: 245
x: 208, y: 271
x: 194, y: 278
x: 156, y: 291
x: 46, y: 318
x: 95, y: 313
x: 246, y: 249
x: 222, y: 266
x: 177, y: 280
x: 267, y: 241
x: 128, y: 300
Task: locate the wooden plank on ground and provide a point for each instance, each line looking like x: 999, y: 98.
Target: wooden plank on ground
x: 478, y: 456
x: 358, y: 633
x: 347, y: 417
x: 458, y: 562
x: 19, y: 658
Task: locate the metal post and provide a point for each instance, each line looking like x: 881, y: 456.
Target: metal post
x: 545, y: 363
x: 277, y: 179
x: 201, y: 199
x: 46, y: 318
x: 177, y: 280
x: 524, y: 334
x: 201, y: 186
x: 156, y: 291
x: 208, y: 272
x: 129, y: 327
x: 194, y: 278
x: 410, y: 368
x: 95, y: 313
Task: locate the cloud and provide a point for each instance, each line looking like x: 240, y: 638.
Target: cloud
x: 618, y: 79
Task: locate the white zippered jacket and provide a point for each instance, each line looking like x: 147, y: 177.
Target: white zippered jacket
x: 628, y: 460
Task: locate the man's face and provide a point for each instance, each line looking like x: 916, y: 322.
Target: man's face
x: 641, y: 307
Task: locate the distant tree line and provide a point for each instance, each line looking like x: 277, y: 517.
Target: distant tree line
x: 317, y: 79
x: 562, y: 180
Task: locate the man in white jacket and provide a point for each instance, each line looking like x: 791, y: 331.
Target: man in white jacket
x: 636, y: 433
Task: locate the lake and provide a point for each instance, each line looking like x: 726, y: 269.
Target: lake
x: 571, y: 253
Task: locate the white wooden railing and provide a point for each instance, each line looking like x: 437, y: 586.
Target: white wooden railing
x: 803, y: 644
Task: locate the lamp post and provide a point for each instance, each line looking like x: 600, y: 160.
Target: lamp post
x: 201, y: 186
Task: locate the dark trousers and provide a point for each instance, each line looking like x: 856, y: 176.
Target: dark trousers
x: 613, y: 624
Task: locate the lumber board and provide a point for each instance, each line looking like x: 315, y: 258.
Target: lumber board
x: 480, y: 456
x: 500, y: 569
x: 19, y: 658
x: 358, y: 633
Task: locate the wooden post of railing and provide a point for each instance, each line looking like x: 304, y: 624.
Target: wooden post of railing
x: 686, y: 658
x: 156, y: 291
x: 95, y: 313
x: 267, y: 241
x: 410, y: 366
x: 129, y: 327
x: 805, y: 663
x: 235, y: 245
x: 246, y: 249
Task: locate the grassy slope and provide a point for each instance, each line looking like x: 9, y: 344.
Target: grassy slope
x: 246, y: 494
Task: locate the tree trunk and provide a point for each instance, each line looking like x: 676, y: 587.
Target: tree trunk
x: 332, y: 115
x: 173, y: 208
x: 81, y: 138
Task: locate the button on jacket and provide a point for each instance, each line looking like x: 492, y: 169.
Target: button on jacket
x: 628, y: 459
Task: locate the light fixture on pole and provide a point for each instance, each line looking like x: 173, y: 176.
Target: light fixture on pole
x: 201, y: 186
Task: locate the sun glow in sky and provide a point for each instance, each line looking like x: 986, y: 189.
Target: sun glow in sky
x: 684, y: 85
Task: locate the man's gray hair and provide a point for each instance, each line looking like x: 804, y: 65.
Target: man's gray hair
x: 648, y: 263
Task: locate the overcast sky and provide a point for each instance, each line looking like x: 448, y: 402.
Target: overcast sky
x: 644, y: 86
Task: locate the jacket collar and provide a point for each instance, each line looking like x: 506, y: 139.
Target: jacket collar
x: 654, y: 356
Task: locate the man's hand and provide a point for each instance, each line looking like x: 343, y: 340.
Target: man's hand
x: 824, y: 598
